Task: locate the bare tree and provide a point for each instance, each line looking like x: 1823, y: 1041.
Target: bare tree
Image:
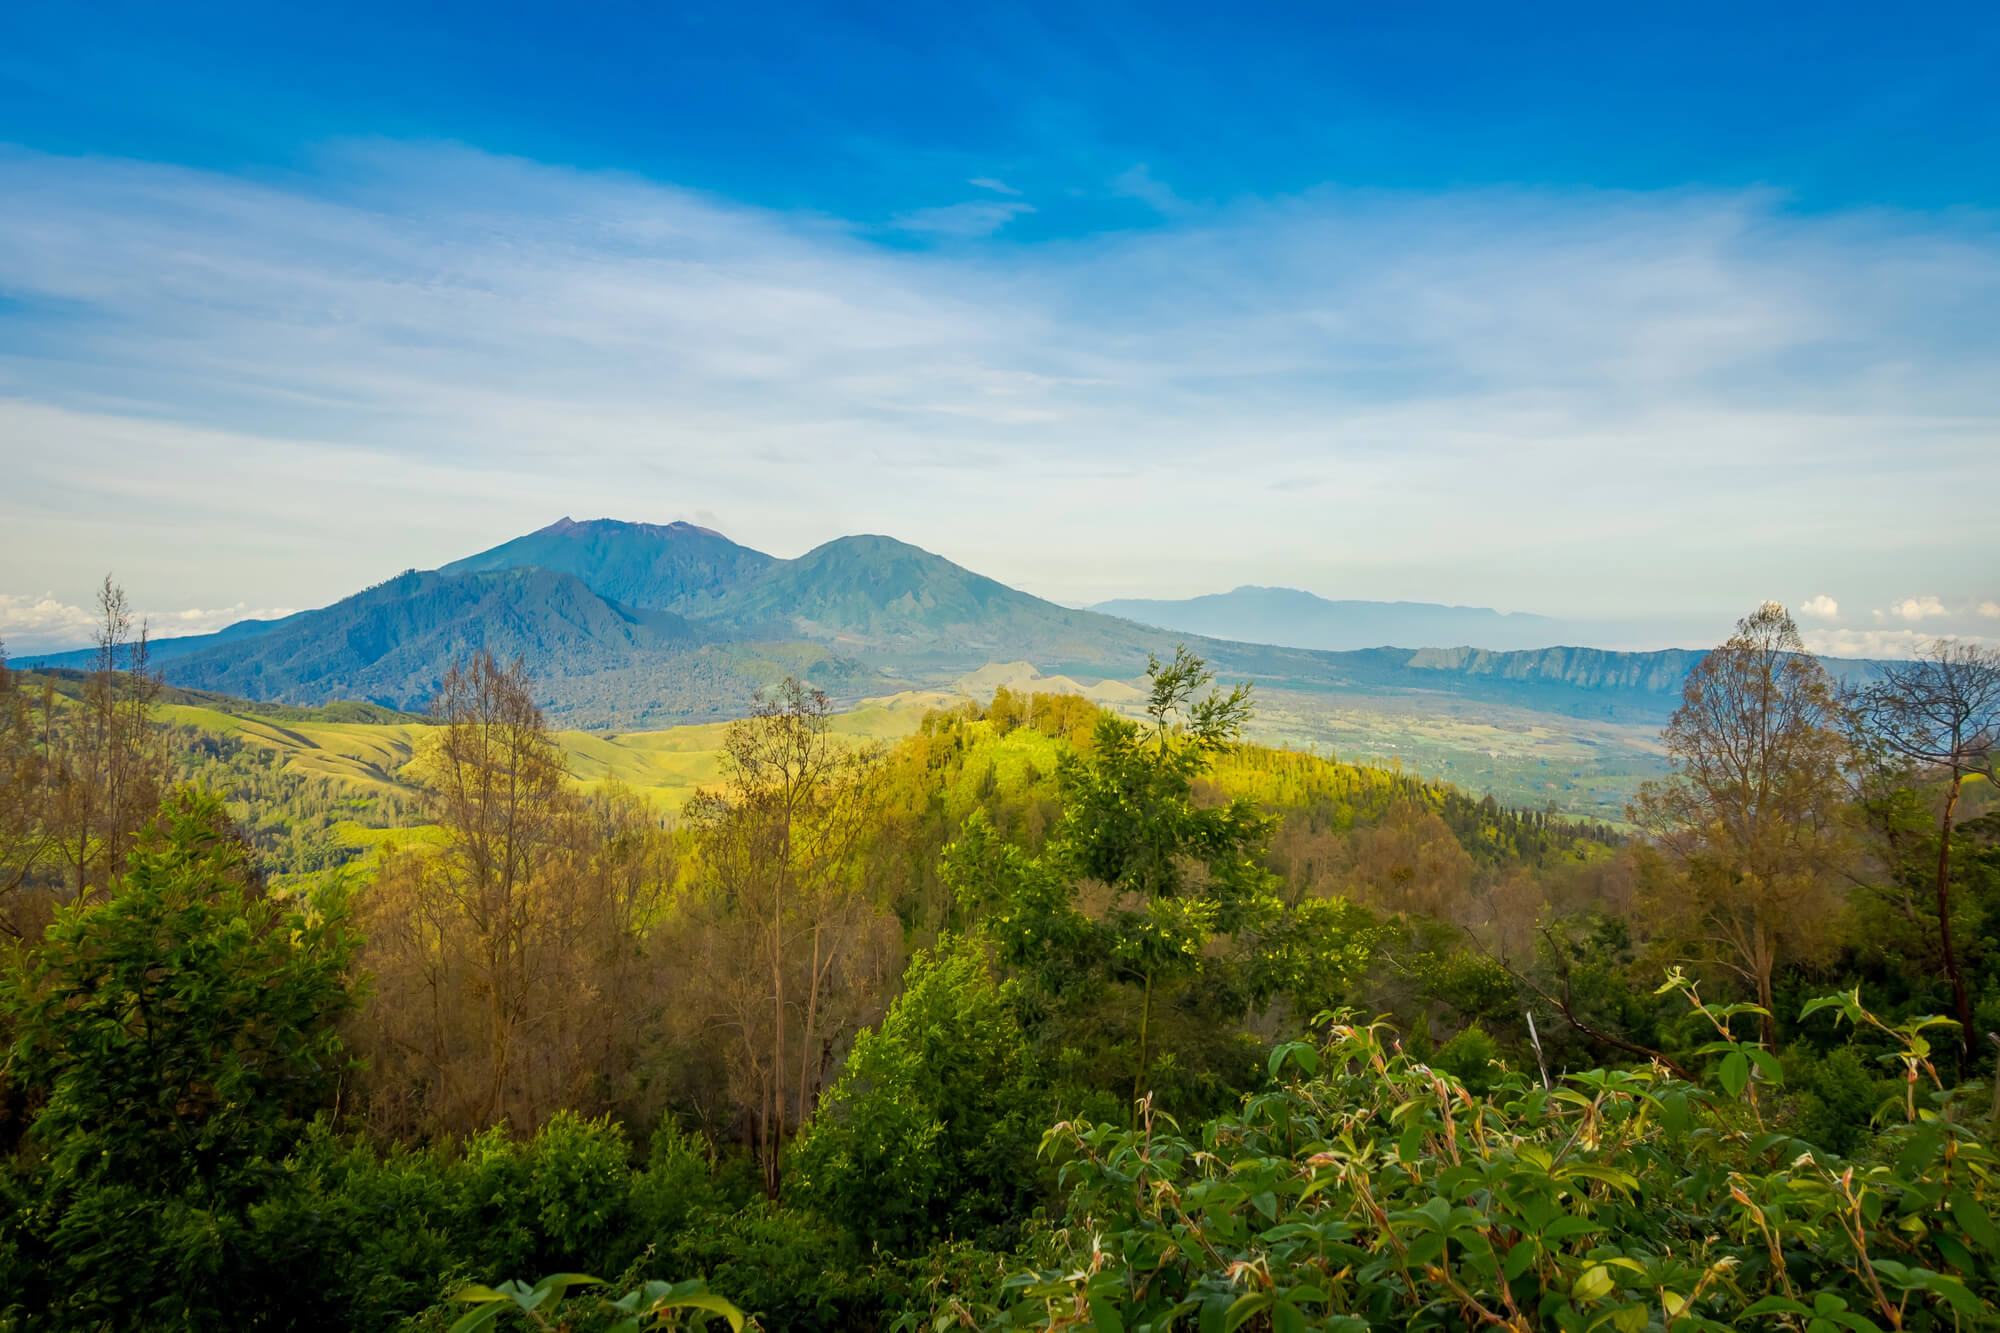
x: 1939, y: 713
x: 509, y: 960
x: 778, y: 846
x: 106, y: 758
x: 1751, y: 813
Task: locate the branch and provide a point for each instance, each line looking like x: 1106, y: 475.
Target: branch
x: 1564, y: 1007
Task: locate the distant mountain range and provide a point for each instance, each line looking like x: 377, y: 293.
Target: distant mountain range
x: 631, y: 624
x: 1296, y: 619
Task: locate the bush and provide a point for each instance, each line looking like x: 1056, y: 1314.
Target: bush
x: 1469, y: 1057
x: 1374, y: 1192
x: 932, y: 1127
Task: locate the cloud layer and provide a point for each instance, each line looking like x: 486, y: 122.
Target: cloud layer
x: 30, y: 625
x: 279, y: 390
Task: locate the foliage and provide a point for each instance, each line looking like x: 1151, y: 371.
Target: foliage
x: 931, y: 1129
x: 1369, y: 1190
x: 655, y: 1305
x: 175, y: 1034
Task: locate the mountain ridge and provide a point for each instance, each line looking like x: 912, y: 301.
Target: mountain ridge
x: 860, y: 615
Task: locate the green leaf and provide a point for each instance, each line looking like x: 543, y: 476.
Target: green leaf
x: 1734, y: 1073
x: 1595, y: 1283
x: 1975, y: 1221
x: 1243, y: 1307
x: 480, y: 1318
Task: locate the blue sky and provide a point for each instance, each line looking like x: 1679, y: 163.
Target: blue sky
x: 1638, y: 316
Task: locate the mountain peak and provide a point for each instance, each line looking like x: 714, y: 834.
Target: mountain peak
x: 675, y: 566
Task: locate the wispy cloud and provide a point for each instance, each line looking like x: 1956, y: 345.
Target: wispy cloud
x: 1571, y: 402
x: 977, y: 217
x: 1138, y: 182
x: 989, y: 183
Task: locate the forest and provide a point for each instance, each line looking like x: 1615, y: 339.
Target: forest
x: 1043, y: 1017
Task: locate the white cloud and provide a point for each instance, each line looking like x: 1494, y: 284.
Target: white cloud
x: 227, y: 390
x: 979, y: 217
x: 997, y: 186
x: 1138, y: 182
x: 1821, y: 606
x: 1879, y: 643
x: 1916, y: 608
x: 45, y: 625
x: 1989, y: 609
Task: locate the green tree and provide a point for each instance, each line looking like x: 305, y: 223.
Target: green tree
x: 932, y: 1127
x: 177, y: 1031
x: 1148, y: 882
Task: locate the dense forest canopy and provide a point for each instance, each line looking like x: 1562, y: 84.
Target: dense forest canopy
x: 1040, y: 1016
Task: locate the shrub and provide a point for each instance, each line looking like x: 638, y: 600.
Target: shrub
x: 931, y: 1129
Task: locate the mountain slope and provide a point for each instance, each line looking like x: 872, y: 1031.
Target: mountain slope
x: 671, y: 567
x: 595, y: 663
x: 1296, y: 619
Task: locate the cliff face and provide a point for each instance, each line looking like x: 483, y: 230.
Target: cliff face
x: 1581, y: 668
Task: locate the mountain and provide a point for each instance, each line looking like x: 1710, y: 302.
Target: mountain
x: 900, y: 605
x: 632, y: 624
x: 596, y: 662
x: 669, y: 567
x: 1296, y: 619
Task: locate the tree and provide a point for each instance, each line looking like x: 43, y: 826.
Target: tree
x: 931, y: 1129
x: 177, y: 1031
x: 1183, y: 870
x: 1147, y: 877
x: 106, y: 761
x: 1939, y: 712
x: 508, y: 958
x: 789, y: 927
x: 26, y: 837
x: 1751, y: 813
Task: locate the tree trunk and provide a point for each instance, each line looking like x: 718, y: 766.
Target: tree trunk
x: 1960, y: 1000
x: 1766, y: 963
x: 806, y: 1038
x: 1139, y: 1074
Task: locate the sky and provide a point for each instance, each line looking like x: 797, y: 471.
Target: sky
x: 1631, y: 318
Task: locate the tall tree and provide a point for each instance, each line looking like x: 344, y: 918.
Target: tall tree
x: 778, y: 842
x: 1939, y: 713
x: 1751, y: 812
x: 499, y: 954
x: 106, y: 758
